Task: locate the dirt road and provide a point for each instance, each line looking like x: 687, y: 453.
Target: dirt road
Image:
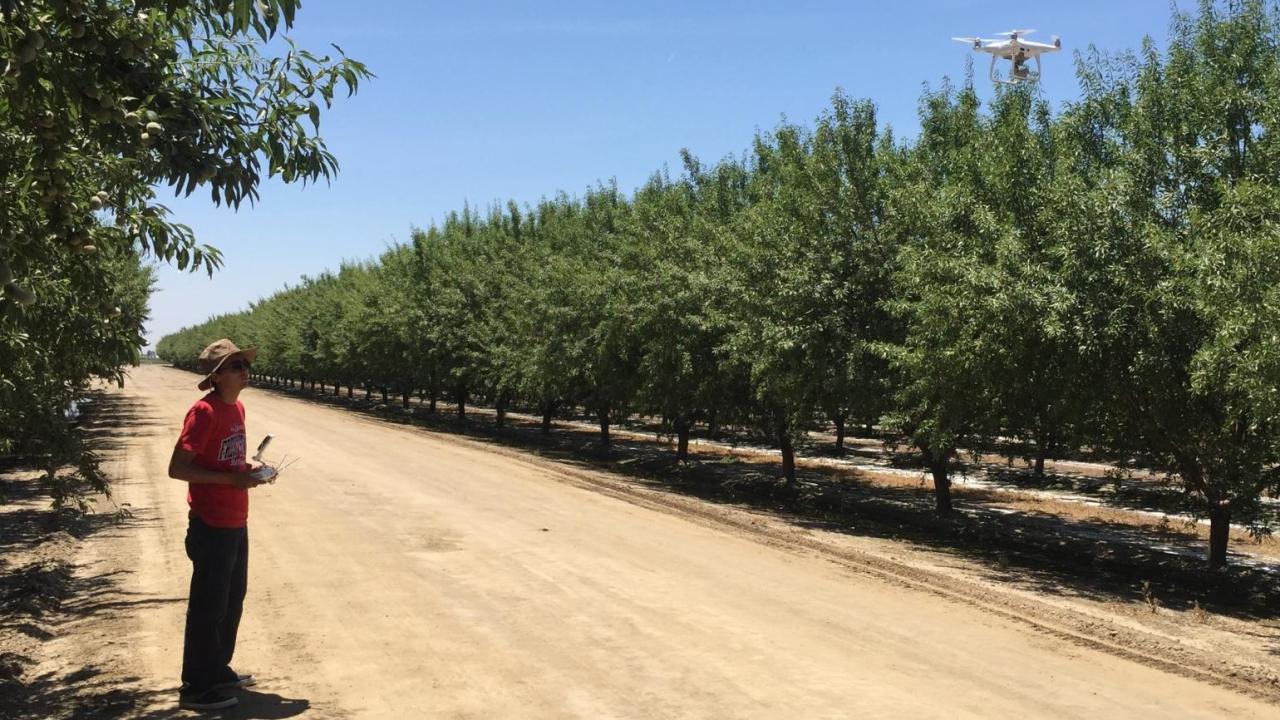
x: 396, y: 573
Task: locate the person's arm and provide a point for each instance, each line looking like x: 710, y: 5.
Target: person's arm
x: 182, y: 466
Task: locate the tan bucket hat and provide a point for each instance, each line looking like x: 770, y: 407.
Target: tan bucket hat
x: 218, y: 352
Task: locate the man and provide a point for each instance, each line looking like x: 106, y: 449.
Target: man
x: 210, y: 457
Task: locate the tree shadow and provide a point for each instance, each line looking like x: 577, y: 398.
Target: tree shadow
x: 88, y: 692
x: 110, y: 420
x: 34, y: 521
x: 94, y: 693
x: 44, y: 595
x: 1098, y: 559
x: 40, y: 590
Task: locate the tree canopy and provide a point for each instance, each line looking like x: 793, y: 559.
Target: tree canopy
x: 104, y: 103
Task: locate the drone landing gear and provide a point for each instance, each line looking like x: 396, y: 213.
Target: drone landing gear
x: 1018, y: 72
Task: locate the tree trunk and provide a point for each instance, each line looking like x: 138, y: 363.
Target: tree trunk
x: 500, y: 410
x: 431, y: 408
x: 1042, y: 450
x: 788, y: 457
x: 546, y: 419
x: 462, y: 404
x: 713, y: 425
x: 603, y: 414
x: 1219, y: 534
x: 941, y: 485
x: 351, y: 389
x: 682, y: 435
x: 839, y: 420
x: 404, y: 399
x: 383, y: 390
x: 368, y: 391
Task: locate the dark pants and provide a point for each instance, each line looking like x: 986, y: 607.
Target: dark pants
x: 219, y: 575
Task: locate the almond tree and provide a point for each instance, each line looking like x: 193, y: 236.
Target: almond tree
x: 941, y: 287
x: 810, y: 269
x: 100, y: 103
x: 1178, y: 286
x: 676, y: 334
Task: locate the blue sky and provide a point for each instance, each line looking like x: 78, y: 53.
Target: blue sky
x: 487, y: 101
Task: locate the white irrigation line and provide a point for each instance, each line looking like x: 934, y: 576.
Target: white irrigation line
x: 1192, y: 553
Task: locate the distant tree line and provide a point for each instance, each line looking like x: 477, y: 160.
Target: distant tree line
x: 1105, y: 277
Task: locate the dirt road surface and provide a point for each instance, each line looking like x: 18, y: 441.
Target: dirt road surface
x: 397, y: 573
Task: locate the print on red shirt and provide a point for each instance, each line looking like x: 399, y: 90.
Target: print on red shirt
x: 233, y: 446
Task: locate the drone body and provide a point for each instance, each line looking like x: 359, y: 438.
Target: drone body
x: 1017, y: 50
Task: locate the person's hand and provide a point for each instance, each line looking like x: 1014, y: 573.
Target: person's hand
x: 257, y: 470
x: 245, y: 480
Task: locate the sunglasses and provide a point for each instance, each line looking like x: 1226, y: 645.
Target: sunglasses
x: 236, y: 366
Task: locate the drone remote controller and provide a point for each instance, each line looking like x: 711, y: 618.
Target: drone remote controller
x: 264, y: 473
x: 268, y: 473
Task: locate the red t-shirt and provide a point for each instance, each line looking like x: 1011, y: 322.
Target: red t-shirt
x: 214, y: 431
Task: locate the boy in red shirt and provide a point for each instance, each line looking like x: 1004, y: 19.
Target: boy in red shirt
x: 210, y: 457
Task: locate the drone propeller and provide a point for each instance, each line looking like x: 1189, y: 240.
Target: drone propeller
x: 967, y: 40
x: 1019, y: 33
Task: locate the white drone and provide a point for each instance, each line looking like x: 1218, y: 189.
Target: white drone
x: 1017, y: 50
